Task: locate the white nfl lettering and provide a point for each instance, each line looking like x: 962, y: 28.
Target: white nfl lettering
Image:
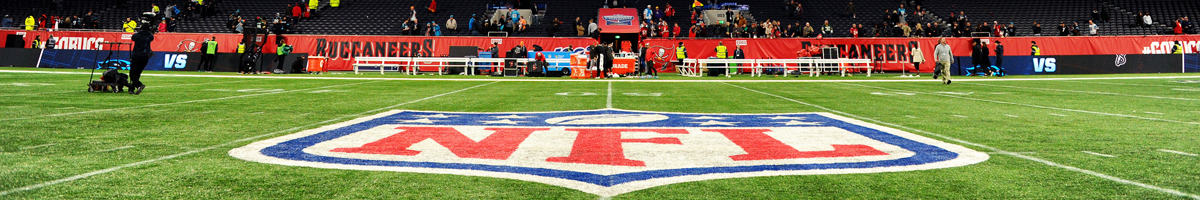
x: 610, y: 151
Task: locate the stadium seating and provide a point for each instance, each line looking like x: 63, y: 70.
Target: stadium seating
x: 383, y: 17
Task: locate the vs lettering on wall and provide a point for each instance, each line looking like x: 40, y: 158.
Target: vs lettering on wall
x: 87, y: 59
x: 609, y: 152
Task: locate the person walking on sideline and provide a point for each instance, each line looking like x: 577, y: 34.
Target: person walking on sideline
x: 944, y: 56
x: 918, y: 57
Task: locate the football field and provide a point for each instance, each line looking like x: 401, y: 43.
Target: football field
x: 1131, y: 136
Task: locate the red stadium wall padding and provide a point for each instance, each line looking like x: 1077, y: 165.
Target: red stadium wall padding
x: 892, y: 51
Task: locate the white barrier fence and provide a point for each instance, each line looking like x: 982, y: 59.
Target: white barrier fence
x: 690, y: 67
x: 813, y: 66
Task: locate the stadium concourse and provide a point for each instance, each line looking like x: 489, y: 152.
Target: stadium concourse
x: 354, y: 99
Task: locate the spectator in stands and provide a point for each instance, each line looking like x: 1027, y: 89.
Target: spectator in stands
x: 853, y: 31
x: 552, y: 27
x: 905, y: 30
x: 1178, y: 26
x: 903, y: 12
x: 1095, y: 14
x: 729, y: 17
x: 1187, y: 25
x: 522, y: 24
x: 592, y: 27
x: 1146, y: 20
x: 30, y: 23
x: 670, y: 13
x: 1063, y: 30
x: 917, y: 32
x: 851, y: 11
x: 1037, y: 29
x: 675, y: 32
x: 452, y: 24
x: 297, y: 11
x: 1104, y: 15
x: 658, y: 14
x: 428, y: 29
x: 1075, y: 30
x: 7, y: 22
x: 579, y: 27
x: 694, y: 31
x: 437, y: 29
x: 1093, y: 30
x: 472, y: 25
x: 826, y: 29
x: 128, y: 25
x: 808, y: 30
x: 799, y: 11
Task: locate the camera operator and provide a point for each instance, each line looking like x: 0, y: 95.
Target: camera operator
x: 141, y: 51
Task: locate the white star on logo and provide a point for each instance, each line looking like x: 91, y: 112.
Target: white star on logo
x: 422, y: 120
x: 505, y: 121
x: 783, y: 118
x: 436, y: 116
x: 714, y: 122
x: 511, y: 117
x: 794, y: 122
x: 706, y: 117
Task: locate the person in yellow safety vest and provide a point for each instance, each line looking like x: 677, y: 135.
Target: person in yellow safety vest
x: 312, y: 4
x: 335, y: 3
x: 1034, y: 50
x: 37, y: 42
x: 199, y: 2
x: 129, y: 25
x: 210, y: 53
x: 722, y: 50
x: 241, y: 47
x: 680, y: 53
x: 154, y: 8
x: 282, y: 52
x: 30, y: 23
x: 1178, y: 49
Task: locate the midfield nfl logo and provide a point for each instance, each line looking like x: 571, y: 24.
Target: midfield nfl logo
x: 610, y: 152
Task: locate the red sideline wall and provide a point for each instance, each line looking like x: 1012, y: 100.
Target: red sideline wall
x: 893, y: 50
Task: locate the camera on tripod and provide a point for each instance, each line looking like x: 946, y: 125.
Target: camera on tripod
x: 148, y: 22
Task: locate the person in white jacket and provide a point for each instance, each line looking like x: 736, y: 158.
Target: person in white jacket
x: 918, y: 57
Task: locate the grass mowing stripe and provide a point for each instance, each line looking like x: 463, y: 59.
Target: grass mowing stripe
x: 993, y: 149
x: 1088, y: 92
x: 38, y: 146
x: 1035, y: 106
x: 114, y: 149
x: 609, y: 104
x: 162, y: 86
x: 181, y: 102
x: 111, y: 169
x: 1178, y: 152
x: 1129, y: 84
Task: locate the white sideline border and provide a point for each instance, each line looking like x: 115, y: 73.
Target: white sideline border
x: 111, y: 169
x: 615, y: 80
x: 993, y: 149
x: 1034, y: 106
x: 179, y: 102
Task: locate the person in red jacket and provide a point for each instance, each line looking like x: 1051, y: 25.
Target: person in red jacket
x: 296, y: 11
x: 1178, y: 27
x: 675, y: 32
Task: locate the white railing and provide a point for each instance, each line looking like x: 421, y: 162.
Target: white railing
x: 412, y: 65
x: 814, y: 66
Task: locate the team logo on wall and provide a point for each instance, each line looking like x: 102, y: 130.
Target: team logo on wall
x: 618, y: 20
x: 609, y: 152
x: 187, y: 45
x: 1120, y: 60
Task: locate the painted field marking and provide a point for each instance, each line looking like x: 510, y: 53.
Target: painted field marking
x: 1178, y: 152
x: 1099, y: 154
x: 957, y: 93
x: 38, y: 146
x: 614, y: 80
x: 1154, y: 113
x: 1011, y: 115
x: 114, y: 149
x: 1022, y: 153
x: 1187, y: 89
x: 111, y: 169
x: 26, y: 84
x: 993, y: 149
x: 1088, y: 92
x: 643, y: 94
x: 1043, y: 107
x: 1056, y: 114
x: 960, y: 116
x: 181, y: 102
x: 609, y: 104
x: 910, y: 116
x: 575, y: 94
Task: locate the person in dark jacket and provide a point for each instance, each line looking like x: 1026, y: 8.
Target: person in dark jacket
x: 140, y: 57
x: 1000, y: 59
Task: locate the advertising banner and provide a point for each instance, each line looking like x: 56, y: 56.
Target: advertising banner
x: 619, y: 20
x: 1086, y: 64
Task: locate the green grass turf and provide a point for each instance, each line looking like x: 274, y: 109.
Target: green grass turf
x: 1053, y: 120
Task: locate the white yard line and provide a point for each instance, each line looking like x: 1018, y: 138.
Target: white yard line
x: 114, y: 149
x: 1088, y: 92
x: 1011, y: 115
x: 38, y: 146
x: 617, y: 80
x: 1178, y: 152
x: 960, y: 116
x: 1056, y: 114
x: 1099, y: 154
x: 111, y: 169
x: 1036, y: 106
x: 175, y: 103
x: 1154, y: 113
x: 1129, y: 84
x: 993, y: 149
x: 609, y: 104
x: 84, y: 87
